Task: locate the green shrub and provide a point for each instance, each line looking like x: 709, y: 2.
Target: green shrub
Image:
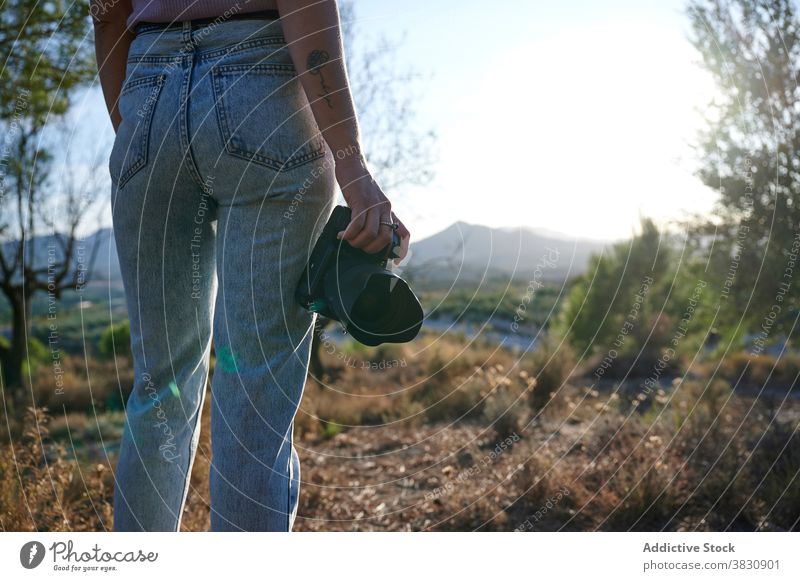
x: 38, y: 355
x: 115, y: 342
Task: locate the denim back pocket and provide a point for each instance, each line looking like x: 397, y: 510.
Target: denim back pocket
x: 137, y: 101
x: 264, y: 116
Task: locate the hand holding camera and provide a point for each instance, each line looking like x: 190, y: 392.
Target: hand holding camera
x: 373, y: 222
x: 357, y: 289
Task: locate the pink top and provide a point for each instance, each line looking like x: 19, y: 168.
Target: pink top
x: 177, y: 10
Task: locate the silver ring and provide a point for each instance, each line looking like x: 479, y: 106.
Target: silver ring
x: 392, y: 225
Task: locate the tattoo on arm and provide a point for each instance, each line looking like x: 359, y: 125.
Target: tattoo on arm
x: 317, y: 59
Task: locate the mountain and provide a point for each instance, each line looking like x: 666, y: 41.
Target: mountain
x: 471, y: 250
x: 462, y: 250
x: 48, y: 248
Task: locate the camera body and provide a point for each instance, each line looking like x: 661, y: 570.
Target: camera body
x: 357, y: 289
x: 326, y: 252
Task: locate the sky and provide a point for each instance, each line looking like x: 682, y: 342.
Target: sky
x: 573, y: 116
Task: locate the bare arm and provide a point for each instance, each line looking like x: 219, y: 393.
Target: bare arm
x: 312, y: 32
x: 111, y: 41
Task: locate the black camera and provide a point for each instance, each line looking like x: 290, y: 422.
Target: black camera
x: 357, y: 289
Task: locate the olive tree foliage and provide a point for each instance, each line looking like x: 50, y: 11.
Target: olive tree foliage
x: 749, y: 155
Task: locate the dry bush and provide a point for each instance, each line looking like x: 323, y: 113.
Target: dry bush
x: 760, y: 370
x: 444, y: 373
x: 774, y: 480
x: 552, y: 364
x: 460, y: 400
x: 504, y: 407
x: 354, y: 402
x: 446, y: 358
x: 370, y: 389
x: 505, y: 412
x: 545, y: 495
x: 630, y: 470
x: 712, y: 429
x: 619, y: 476
x: 80, y: 384
x: 485, y: 394
x: 40, y: 490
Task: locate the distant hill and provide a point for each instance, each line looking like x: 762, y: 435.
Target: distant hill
x: 106, y: 266
x: 106, y: 263
x: 473, y: 250
x: 464, y: 250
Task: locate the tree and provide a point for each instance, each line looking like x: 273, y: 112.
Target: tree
x: 46, y: 59
x: 749, y: 155
x: 640, y: 306
x: 385, y: 97
x: 617, y: 288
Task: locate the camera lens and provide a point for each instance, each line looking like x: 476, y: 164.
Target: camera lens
x: 370, y: 306
x: 385, y: 310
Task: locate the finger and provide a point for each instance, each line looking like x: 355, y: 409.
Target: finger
x: 402, y: 231
x: 405, y: 240
x: 355, y: 226
x: 403, y: 252
x: 369, y: 232
x: 381, y: 241
x: 384, y: 237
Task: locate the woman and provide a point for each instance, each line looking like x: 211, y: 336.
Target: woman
x: 233, y: 122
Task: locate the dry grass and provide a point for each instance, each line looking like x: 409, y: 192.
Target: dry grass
x: 749, y: 370
x: 464, y: 445
x: 41, y: 490
x: 81, y: 384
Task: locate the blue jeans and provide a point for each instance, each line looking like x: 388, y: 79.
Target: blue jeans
x: 221, y: 182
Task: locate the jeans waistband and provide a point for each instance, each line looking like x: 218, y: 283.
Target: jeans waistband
x: 196, y: 23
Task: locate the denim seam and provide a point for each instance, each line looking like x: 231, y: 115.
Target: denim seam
x: 150, y: 58
x: 183, y: 121
x: 289, y: 490
x: 231, y: 143
x: 276, y: 68
x: 142, y: 81
x: 240, y: 47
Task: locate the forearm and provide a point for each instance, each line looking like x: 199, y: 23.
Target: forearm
x: 312, y: 32
x: 112, y: 41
